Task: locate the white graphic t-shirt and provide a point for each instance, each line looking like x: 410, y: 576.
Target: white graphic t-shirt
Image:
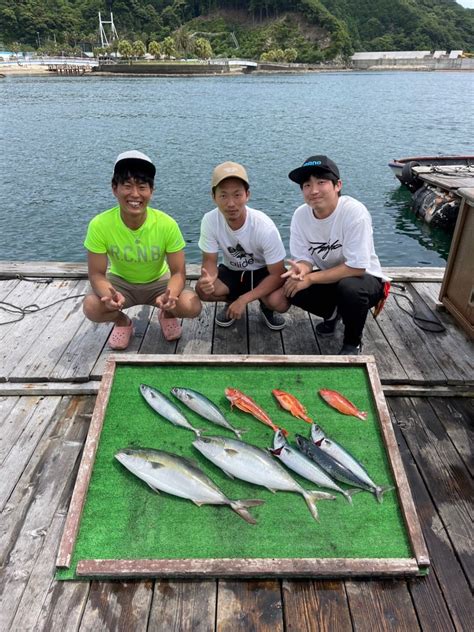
x: 343, y: 237
x: 255, y: 245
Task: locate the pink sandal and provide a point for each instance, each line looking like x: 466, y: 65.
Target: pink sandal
x: 169, y: 326
x: 120, y: 337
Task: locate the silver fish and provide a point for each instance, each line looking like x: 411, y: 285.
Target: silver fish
x: 295, y: 460
x: 178, y: 476
x: 203, y: 406
x: 251, y: 464
x: 338, y: 470
x: 166, y: 408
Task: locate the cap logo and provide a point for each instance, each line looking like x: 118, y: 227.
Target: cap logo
x: 312, y: 163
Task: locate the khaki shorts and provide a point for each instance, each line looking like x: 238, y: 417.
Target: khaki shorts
x: 141, y: 293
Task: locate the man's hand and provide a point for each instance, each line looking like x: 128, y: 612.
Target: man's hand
x: 297, y: 271
x: 115, y: 301
x: 237, y: 308
x: 206, y: 281
x: 166, y: 302
x: 293, y: 286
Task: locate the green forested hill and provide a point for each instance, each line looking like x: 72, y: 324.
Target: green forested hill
x: 313, y: 29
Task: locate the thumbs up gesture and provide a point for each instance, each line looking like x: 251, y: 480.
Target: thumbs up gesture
x: 206, y: 281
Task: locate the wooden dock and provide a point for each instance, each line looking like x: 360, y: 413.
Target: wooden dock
x: 52, y: 361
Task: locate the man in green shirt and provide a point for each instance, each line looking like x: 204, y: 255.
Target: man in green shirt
x: 144, y: 249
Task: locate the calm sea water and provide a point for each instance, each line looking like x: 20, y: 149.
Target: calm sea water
x: 60, y: 136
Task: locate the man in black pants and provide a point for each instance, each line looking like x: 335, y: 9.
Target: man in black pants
x: 334, y: 271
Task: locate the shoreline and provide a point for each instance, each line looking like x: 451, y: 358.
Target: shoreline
x: 36, y: 70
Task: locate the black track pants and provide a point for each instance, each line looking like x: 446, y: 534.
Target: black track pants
x: 353, y: 297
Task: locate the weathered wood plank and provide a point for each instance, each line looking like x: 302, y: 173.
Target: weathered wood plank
x: 60, y: 445
x: 298, y: 334
x: 451, y: 354
x: 39, y: 580
x: 409, y: 345
x: 436, y: 602
x: 390, y: 368
x: 197, y: 332
x: 28, y: 335
x: 445, y: 474
x: 117, y: 606
x: 65, y: 320
x: 454, y: 340
x: 22, y: 295
x: 48, y: 388
x: 183, y: 606
x: 12, y: 269
x: 22, y: 440
x: 249, y: 605
x: 65, y: 602
x: 329, y: 345
x: 9, y: 426
x: 31, y: 509
x: 231, y: 340
x: 82, y: 352
x: 313, y: 606
x: 457, y: 418
x: 261, y: 338
x: 381, y: 606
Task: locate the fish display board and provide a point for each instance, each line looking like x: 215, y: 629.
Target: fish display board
x: 118, y: 527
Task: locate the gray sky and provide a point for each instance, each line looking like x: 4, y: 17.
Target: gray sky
x: 469, y: 4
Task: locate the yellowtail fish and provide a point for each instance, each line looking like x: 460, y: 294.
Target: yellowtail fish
x: 173, y: 474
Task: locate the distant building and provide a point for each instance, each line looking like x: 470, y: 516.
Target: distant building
x: 420, y: 59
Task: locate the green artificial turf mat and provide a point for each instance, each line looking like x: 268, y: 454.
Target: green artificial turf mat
x: 124, y: 519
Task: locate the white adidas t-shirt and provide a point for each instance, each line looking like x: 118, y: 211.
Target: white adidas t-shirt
x: 255, y: 245
x: 343, y: 237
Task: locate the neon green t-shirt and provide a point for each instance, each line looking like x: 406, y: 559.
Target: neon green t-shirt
x: 138, y: 256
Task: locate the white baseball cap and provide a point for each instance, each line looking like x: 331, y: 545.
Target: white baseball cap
x: 136, y: 156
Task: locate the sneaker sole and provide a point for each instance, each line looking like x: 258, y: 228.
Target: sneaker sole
x: 272, y: 327
x: 227, y: 323
x: 325, y: 335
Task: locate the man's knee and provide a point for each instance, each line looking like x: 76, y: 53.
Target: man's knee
x: 91, y: 306
x: 350, y: 290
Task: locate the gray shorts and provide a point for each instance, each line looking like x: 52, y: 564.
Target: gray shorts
x: 140, y: 293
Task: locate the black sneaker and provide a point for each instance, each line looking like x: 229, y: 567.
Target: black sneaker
x: 350, y: 349
x: 273, y: 320
x: 327, y: 327
x: 222, y: 319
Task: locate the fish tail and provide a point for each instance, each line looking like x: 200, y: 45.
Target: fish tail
x: 348, y: 493
x: 362, y: 415
x: 239, y: 506
x: 239, y: 432
x: 380, y: 491
x: 312, y: 497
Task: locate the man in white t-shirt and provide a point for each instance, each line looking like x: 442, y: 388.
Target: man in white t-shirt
x: 251, y: 247
x: 334, y: 271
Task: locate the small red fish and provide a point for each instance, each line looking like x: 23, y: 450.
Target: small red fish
x: 247, y: 405
x: 291, y: 404
x: 340, y: 403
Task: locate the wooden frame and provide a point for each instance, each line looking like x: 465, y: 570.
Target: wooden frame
x: 313, y: 567
x: 454, y: 295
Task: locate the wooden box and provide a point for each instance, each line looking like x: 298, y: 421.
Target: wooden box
x: 457, y: 290
x: 226, y: 369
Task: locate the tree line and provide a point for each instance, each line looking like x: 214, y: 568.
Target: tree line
x: 316, y: 29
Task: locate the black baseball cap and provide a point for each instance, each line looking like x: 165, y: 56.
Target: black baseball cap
x: 314, y: 165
